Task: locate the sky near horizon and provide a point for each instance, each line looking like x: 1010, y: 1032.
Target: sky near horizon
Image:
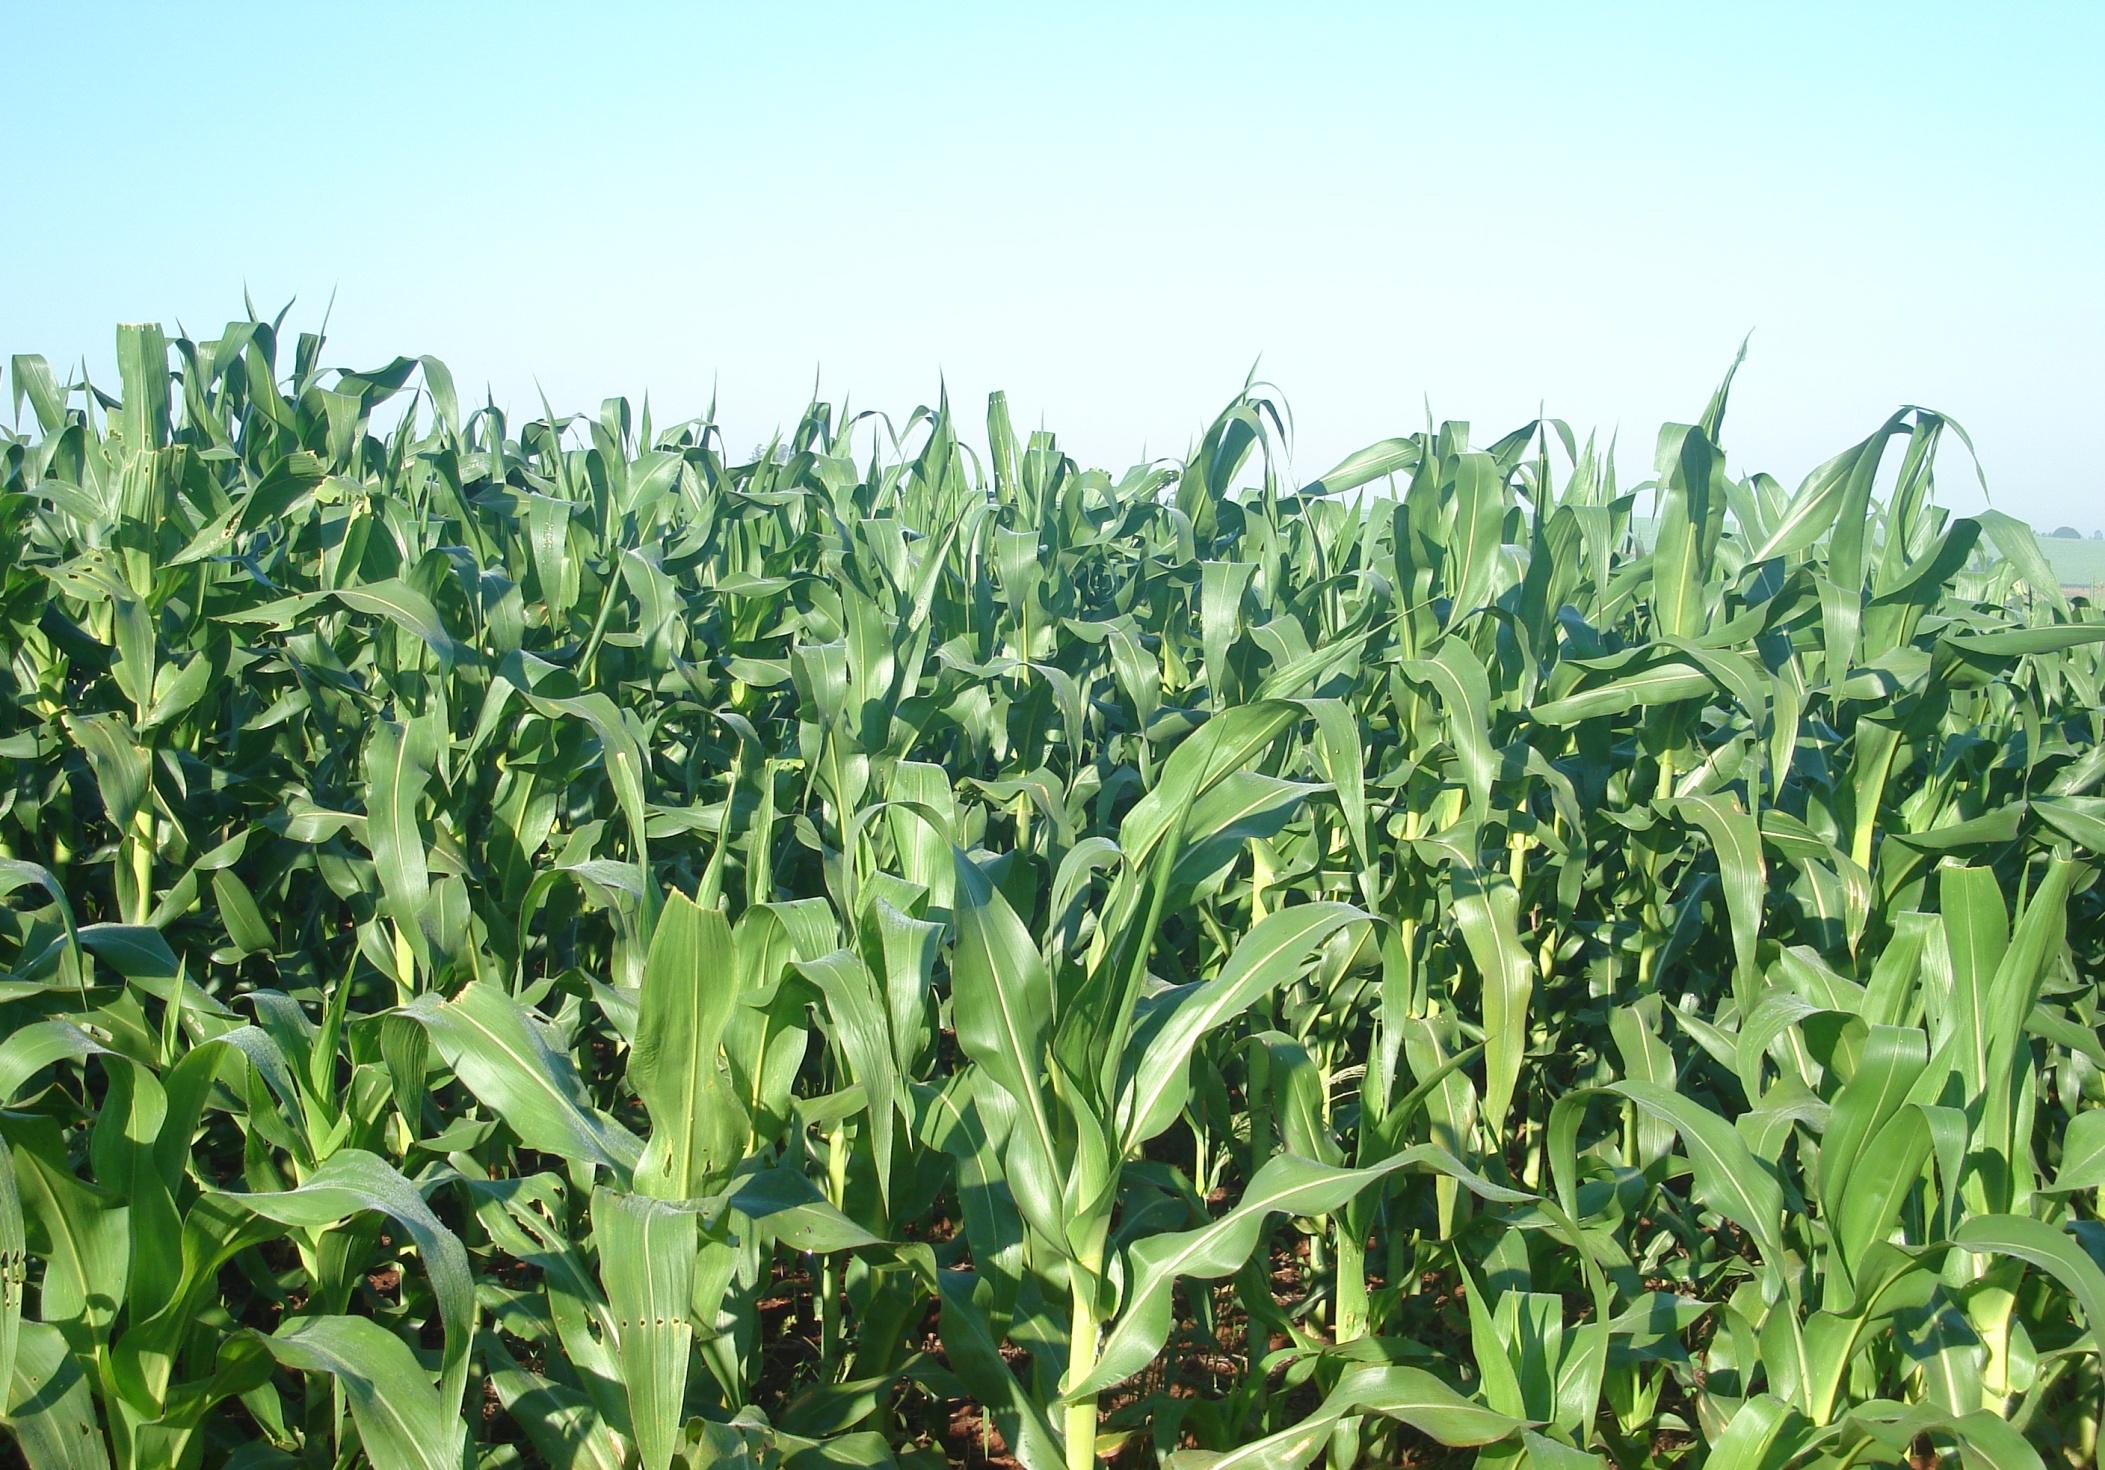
x: 1112, y: 211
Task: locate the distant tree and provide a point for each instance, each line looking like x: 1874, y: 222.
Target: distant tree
x: 2097, y: 535
x: 2068, y: 533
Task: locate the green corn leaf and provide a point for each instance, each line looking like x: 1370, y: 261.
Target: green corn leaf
x: 698, y: 1128
x: 1222, y: 746
x: 50, y: 1411
x: 402, y: 1423
x: 1285, y: 1184
x: 1376, y: 461
x: 2014, y: 539
x: 1681, y: 556
x: 2082, y: 1153
x: 1002, y: 1004
x: 120, y: 766
x: 647, y: 1260
x: 1736, y: 841
x: 1668, y: 683
x: 2043, y: 1246
x: 857, y: 1012
x: 792, y: 1209
x: 1272, y: 953
x: 1727, y: 1177
x: 559, y: 1421
x: 38, y: 1045
x: 1487, y: 912
x: 1764, y: 1433
x: 1985, y: 1441
x: 1409, y: 1395
x: 502, y: 1056
x: 353, y: 1181
x: 399, y: 762
x: 14, y: 1268
x: 1463, y: 687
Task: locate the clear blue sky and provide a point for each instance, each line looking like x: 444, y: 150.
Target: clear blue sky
x: 1112, y: 211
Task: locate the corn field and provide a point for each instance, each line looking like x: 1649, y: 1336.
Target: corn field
x: 544, y: 944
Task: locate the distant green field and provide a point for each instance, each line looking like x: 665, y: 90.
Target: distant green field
x: 2077, y: 563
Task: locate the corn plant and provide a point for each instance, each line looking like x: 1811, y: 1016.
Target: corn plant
x: 549, y: 943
